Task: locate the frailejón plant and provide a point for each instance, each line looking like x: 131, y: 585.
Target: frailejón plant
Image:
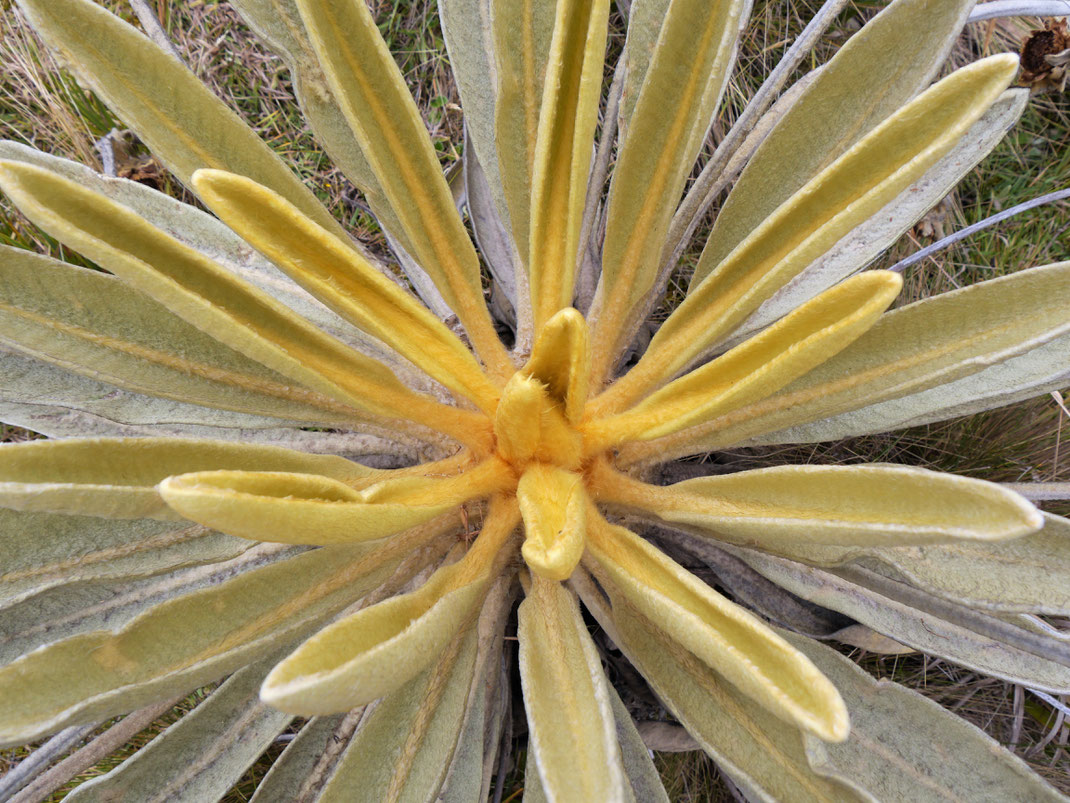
x: 198, y: 511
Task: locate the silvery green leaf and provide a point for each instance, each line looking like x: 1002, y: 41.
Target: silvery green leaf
x: 836, y: 110
x: 645, y: 19
x: 41, y: 550
x: 867, y: 241
x: 202, y: 755
x: 904, y: 746
x: 955, y: 632
x: 495, y: 244
x: 639, y: 769
x: 295, y: 775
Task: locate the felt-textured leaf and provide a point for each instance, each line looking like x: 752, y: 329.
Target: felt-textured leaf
x: 568, y: 116
x: 494, y: 240
x: 937, y: 627
x: 522, y: 32
x: 554, y: 507
x: 662, y: 138
x: 826, y: 507
x: 1026, y: 575
x: 202, y: 755
x: 573, y: 737
x: 206, y: 234
x: 762, y: 755
x: 183, y: 643
x: 636, y: 759
x: 724, y: 636
x: 645, y: 20
x: 753, y: 370
x: 307, y: 508
x: 41, y: 550
x: 386, y: 123
x: 294, y: 772
x: 344, y: 281
x: 922, y: 346
x: 561, y: 361
x: 94, y: 324
x: 904, y: 746
x: 403, y: 748
x: 57, y: 611
x: 850, y: 190
x: 375, y: 651
x: 202, y: 293
x: 117, y: 477
x: 856, y: 90
x: 172, y: 112
x: 859, y: 247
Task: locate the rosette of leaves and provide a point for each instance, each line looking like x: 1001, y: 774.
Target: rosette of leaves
x: 269, y: 458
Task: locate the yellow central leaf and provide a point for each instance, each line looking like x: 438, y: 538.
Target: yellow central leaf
x: 554, y: 506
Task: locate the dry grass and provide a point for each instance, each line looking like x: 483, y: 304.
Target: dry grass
x: 41, y: 104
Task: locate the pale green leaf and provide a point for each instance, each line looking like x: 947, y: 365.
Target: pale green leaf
x: 345, y: 282
x: 850, y: 190
x: 376, y: 650
x: 755, y: 369
x: 1024, y: 575
x: 762, y: 755
x: 97, y: 326
x: 384, y: 120
x: 202, y: 755
x: 573, y: 737
x: 204, y: 294
x: 522, y: 31
x: 300, y: 766
x: 859, y: 247
x: 41, y: 550
x: 960, y: 634
x: 662, y: 139
x: 184, y: 642
x: 922, y: 346
x: 904, y: 746
x: 861, y: 86
x: 403, y: 748
x: 814, y: 507
x: 645, y: 20
x: 638, y: 764
x: 568, y: 116
x: 117, y: 477
x: 172, y: 112
x: 724, y: 636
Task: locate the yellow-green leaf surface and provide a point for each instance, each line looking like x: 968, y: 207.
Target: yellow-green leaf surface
x: 182, y: 643
x: 205, y: 233
x: 759, y: 367
x: 344, y: 281
x: 554, y: 506
x: 171, y: 111
x: 864, y: 505
x: 568, y: 116
x: 202, y: 755
x: 561, y: 361
x: 758, y: 751
x: 735, y: 643
x: 375, y: 651
x: 922, y: 346
x: 904, y: 746
x: 1025, y: 575
x: 202, y: 293
x: 403, y: 747
x: 522, y: 32
x: 670, y: 120
x: 566, y: 696
x: 636, y: 757
x: 645, y: 19
x: 854, y: 92
x: 116, y: 478
x: 854, y: 187
x: 95, y: 325
x: 872, y: 237
x: 318, y: 737
x: 311, y: 509
x: 963, y: 635
x: 385, y: 121
x: 39, y: 551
